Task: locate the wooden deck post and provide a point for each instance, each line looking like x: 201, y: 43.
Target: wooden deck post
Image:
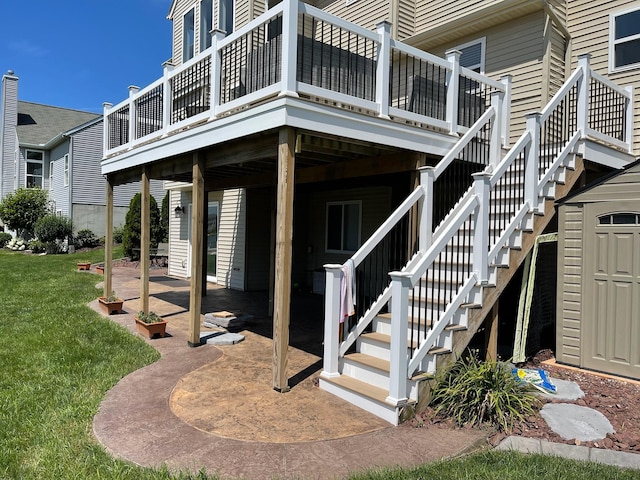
x: 197, y: 232
x: 491, y: 333
x: 145, y: 239
x: 108, y: 239
x: 284, y: 237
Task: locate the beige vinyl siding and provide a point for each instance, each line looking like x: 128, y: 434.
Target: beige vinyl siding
x: 619, y: 188
x: 259, y: 7
x: 556, y: 59
x: 182, y: 7
x: 242, y: 14
x: 376, y: 205
x: 517, y: 49
x: 406, y: 18
x: 434, y: 13
x: 569, y: 305
x: 231, y: 239
x: 588, y: 23
x: 366, y: 13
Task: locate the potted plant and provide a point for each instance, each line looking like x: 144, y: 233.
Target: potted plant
x: 112, y: 304
x: 150, y: 324
x: 84, y: 266
x: 100, y: 268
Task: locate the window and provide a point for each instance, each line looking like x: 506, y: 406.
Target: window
x: 66, y: 170
x: 33, y: 177
x: 188, y: 36
x: 16, y: 158
x: 206, y: 24
x: 343, y: 226
x: 225, y: 16
x: 624, y: 40
x: 619, y: 219
x: 472, y: 57
x: 50, y: 175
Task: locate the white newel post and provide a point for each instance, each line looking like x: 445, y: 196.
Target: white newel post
x: 289, y: 48
x: 167, y: 97
x: 583, y: 93
x: 453, y: 90
x: 532, y: 161
x: 629, y: 119
x: 331, y: 320
x: 506, y: 109
x: 495, y: 143
x: 106, y: 108
x: 216, y: 72
x: 399, y: 361
x: 427, y: 177
x: 383, y: 59
x: 481, y: 187
x: 132, y: 113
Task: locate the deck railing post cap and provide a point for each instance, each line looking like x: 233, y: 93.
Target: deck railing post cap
x: 481, y: 175
x: 383, y: 23
x: 453, y: 51
x: 532, y: 115
x: 584, y: 56
x: 107, y: 105
x: 134, y: 88
x: 506, y: 77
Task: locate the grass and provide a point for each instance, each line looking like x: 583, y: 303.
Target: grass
x: 58, y: 358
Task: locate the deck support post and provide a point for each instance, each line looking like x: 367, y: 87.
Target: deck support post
x: 480, y: 254
x: 284, y: 241
x: 453, y: 90
x: 145, y: 239
x: 197, y: 229
x: 108, y: 239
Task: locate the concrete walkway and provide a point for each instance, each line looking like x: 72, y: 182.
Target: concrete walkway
x: 214, y: 407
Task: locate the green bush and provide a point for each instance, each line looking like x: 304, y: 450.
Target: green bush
x: 85, y: 238
x: 118, y: 233
x: 132, y: 226
x: 52, y: 230
x: 36, y: 246
x: 20, y: 210
x: 4, y: 239
x: 474, y: 392
x: 164, y: 220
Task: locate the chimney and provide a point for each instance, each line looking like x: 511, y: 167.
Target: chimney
x: 8, y: 123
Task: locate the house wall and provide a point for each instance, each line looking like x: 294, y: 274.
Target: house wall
x: 588, y: 23
x: 366, y: 13
x: 439, y: 12
x: 59, y: 192
x: 8, y: 140
x: 232, y: 219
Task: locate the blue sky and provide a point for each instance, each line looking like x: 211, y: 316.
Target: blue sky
x: 80, y: 53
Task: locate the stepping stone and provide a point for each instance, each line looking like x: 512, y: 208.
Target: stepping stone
x: 225, y: 320
x: 574, y: 421
x: 565, y: 390
x: 221, y: 338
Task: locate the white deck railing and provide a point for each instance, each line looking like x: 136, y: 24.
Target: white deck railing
x: 298, y: 50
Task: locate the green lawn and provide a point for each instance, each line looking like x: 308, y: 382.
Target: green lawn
x: 58, y: 358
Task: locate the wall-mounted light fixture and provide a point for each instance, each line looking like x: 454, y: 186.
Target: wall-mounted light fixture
x: 179, y: 210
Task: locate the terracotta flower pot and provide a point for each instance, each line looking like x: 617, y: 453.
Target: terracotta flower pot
x: 151, y: 330
x: 100, y: 269
x: 84, y: 266
x: 114, y: 306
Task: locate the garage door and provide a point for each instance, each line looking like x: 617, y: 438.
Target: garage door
x: 611, y: 310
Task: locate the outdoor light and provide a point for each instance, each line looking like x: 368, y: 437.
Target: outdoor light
x: 179, y: 210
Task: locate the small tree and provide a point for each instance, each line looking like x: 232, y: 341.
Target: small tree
x: 164, y: 220
x: 132, y: 226
x: 53, y: 229
x: 20, y: 210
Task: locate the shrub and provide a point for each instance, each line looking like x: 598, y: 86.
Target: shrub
x: 474, y: 392
x: 21, y: 209
x: 36, y: 246
x: 85, y: 238
x: 131, y: 234
x: 52, y: 230
x: 118, y: 233
x: 4, y: 239
x: 164, y: 220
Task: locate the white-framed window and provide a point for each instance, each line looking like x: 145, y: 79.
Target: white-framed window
x: 33, y: 172
x: 51, y: 175
x: 472, y: 57
x: 225, y: 15
x: 624, y: 40
x: 206, y: 23
x: 343, y: 226
x: 66, y: 170
x: 188, y: 35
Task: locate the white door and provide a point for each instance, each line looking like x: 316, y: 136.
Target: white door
x: 212, y: 225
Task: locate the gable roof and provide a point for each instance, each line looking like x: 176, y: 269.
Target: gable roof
x: 39, y: 124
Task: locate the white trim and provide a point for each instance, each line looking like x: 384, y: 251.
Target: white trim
x: 213, y: 278
x: 67, y: 169
x: 342, y: 224
x: 191, y: 11
x: 51, y: 163
x: 205, y: 33
x: 613, y: 42
x: 28, y: 160
x: 483, y: 49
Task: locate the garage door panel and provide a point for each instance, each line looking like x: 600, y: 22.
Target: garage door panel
x: 599, y: 332
x: 620, y: 342
x: 601, y: 257
x: 623, y: 254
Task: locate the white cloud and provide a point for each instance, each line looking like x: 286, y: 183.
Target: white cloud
x: 24, y: 47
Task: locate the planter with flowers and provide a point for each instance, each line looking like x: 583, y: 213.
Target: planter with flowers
x: 150, y: 324
x: 111, y: 304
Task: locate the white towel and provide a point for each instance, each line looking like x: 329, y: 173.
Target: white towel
x: 347, y: 290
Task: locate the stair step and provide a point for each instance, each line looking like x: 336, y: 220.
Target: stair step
x: 439, y: 351
x: 369, y: 361
x: 382, y: 338
x: 361, y: 388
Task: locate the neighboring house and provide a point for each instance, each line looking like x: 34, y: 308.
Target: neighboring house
x: 294, y: 136
x: 598, y: 311
x: 58, y: 150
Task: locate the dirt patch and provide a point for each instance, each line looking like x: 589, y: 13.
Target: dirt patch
x: 616, y: 399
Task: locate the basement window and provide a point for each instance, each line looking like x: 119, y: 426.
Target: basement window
x: 343, y: 226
